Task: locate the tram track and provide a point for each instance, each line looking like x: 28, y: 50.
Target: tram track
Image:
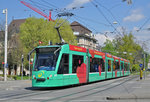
x: 81, y: 92
x: 93, y: 93
x: 20, y: 95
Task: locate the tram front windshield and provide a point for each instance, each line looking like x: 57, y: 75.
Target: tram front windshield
x: 46, y: 59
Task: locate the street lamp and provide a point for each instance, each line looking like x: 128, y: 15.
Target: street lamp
x: 6, y: 36
x: 115, y: 22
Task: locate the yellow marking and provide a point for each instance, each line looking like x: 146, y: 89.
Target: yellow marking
x: 43, y: 72
x: 40, y: 74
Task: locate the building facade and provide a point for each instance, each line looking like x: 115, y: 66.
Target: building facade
x: 85, y: 38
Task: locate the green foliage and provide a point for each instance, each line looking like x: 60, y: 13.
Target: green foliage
x: 135, y: 68
x: 109, y: 47
x: 127, y: 44
x: 15, y: 51
x: 35, y: 30
x: 19, y: 77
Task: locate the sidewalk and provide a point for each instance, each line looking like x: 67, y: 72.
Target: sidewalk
x: 15, y: 84
x: 142, y: 92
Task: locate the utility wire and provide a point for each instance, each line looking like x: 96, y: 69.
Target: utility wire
x: 104, y: 16
x: 84, y: 23
x: 144, y: 23
x: 88, y: 19
x: 49, y: 4
x: 109, y: 12
x: 35, y: 3
x: 115, y: 6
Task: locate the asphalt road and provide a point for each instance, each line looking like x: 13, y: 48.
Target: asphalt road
x: 125, y: 89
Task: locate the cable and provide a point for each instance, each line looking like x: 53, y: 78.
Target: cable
x: 133, y: 4
x: 144, y: 24
x: 104, y: 16
x: 115, y: 6
x: 85, y: 23
x: 109, y: 12
x: 35, y: 3
x: 49, y: 3
x: 92, y: 20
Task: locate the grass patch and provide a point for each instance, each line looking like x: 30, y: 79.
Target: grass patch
x: 16, y: 77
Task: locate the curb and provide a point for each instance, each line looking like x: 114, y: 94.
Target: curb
x: 129, y: 96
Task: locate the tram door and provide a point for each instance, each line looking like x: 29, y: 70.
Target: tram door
x: 109, y: 69
x: 87, y: 68
x: 63, y: 71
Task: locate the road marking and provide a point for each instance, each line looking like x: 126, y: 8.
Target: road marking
x: 137, y: 87
x: 9, y: 89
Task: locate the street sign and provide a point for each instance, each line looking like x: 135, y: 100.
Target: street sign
x: 140, y: 65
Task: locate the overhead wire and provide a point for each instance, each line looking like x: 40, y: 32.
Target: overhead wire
x: 108, y: 11
x: 115, y: 6
x: 49, y: 4
x: 91, y: 20
x: 144, y: 24
x: 35, y: 4
x: 85, y: 23
x: 104, y: 16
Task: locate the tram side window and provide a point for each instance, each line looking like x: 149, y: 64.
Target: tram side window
x: 76, y: 62
x: 64, y: 64
x: 128, y: 67
x: 109, y: 65
x: 114, y: 66
x: 102, y: 64
x: 122, y: 65
x: 95, y: 63
x: 125, y: 66
x: 117, y: 66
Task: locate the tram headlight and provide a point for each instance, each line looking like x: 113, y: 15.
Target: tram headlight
x: 34, y: 77
x: 50, y: 76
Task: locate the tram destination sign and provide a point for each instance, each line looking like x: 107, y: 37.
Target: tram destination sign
x: 46, y: 49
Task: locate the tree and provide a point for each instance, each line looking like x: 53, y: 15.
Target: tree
x: 131, y: 48
x: 127, y: 44
x: 109, y: 47
x: 2, y: 36
x: 14, y: 52
x: 35, y: 30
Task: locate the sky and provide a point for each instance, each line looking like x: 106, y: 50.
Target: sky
x: 97, y: 15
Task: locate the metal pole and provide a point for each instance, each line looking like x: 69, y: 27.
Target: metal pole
x: 144, y: 66
x: 22, y: 68
x: 5, y: 59
x: 29, y: 67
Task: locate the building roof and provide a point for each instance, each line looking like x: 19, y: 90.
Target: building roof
x: 14, y: 26
x: 17, y: 22
x: 75, y: 23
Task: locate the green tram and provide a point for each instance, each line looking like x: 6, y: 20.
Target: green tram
x: 63, y: 65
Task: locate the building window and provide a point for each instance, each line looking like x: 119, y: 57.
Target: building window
x: 64, y: 64
x: 76, y: 62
